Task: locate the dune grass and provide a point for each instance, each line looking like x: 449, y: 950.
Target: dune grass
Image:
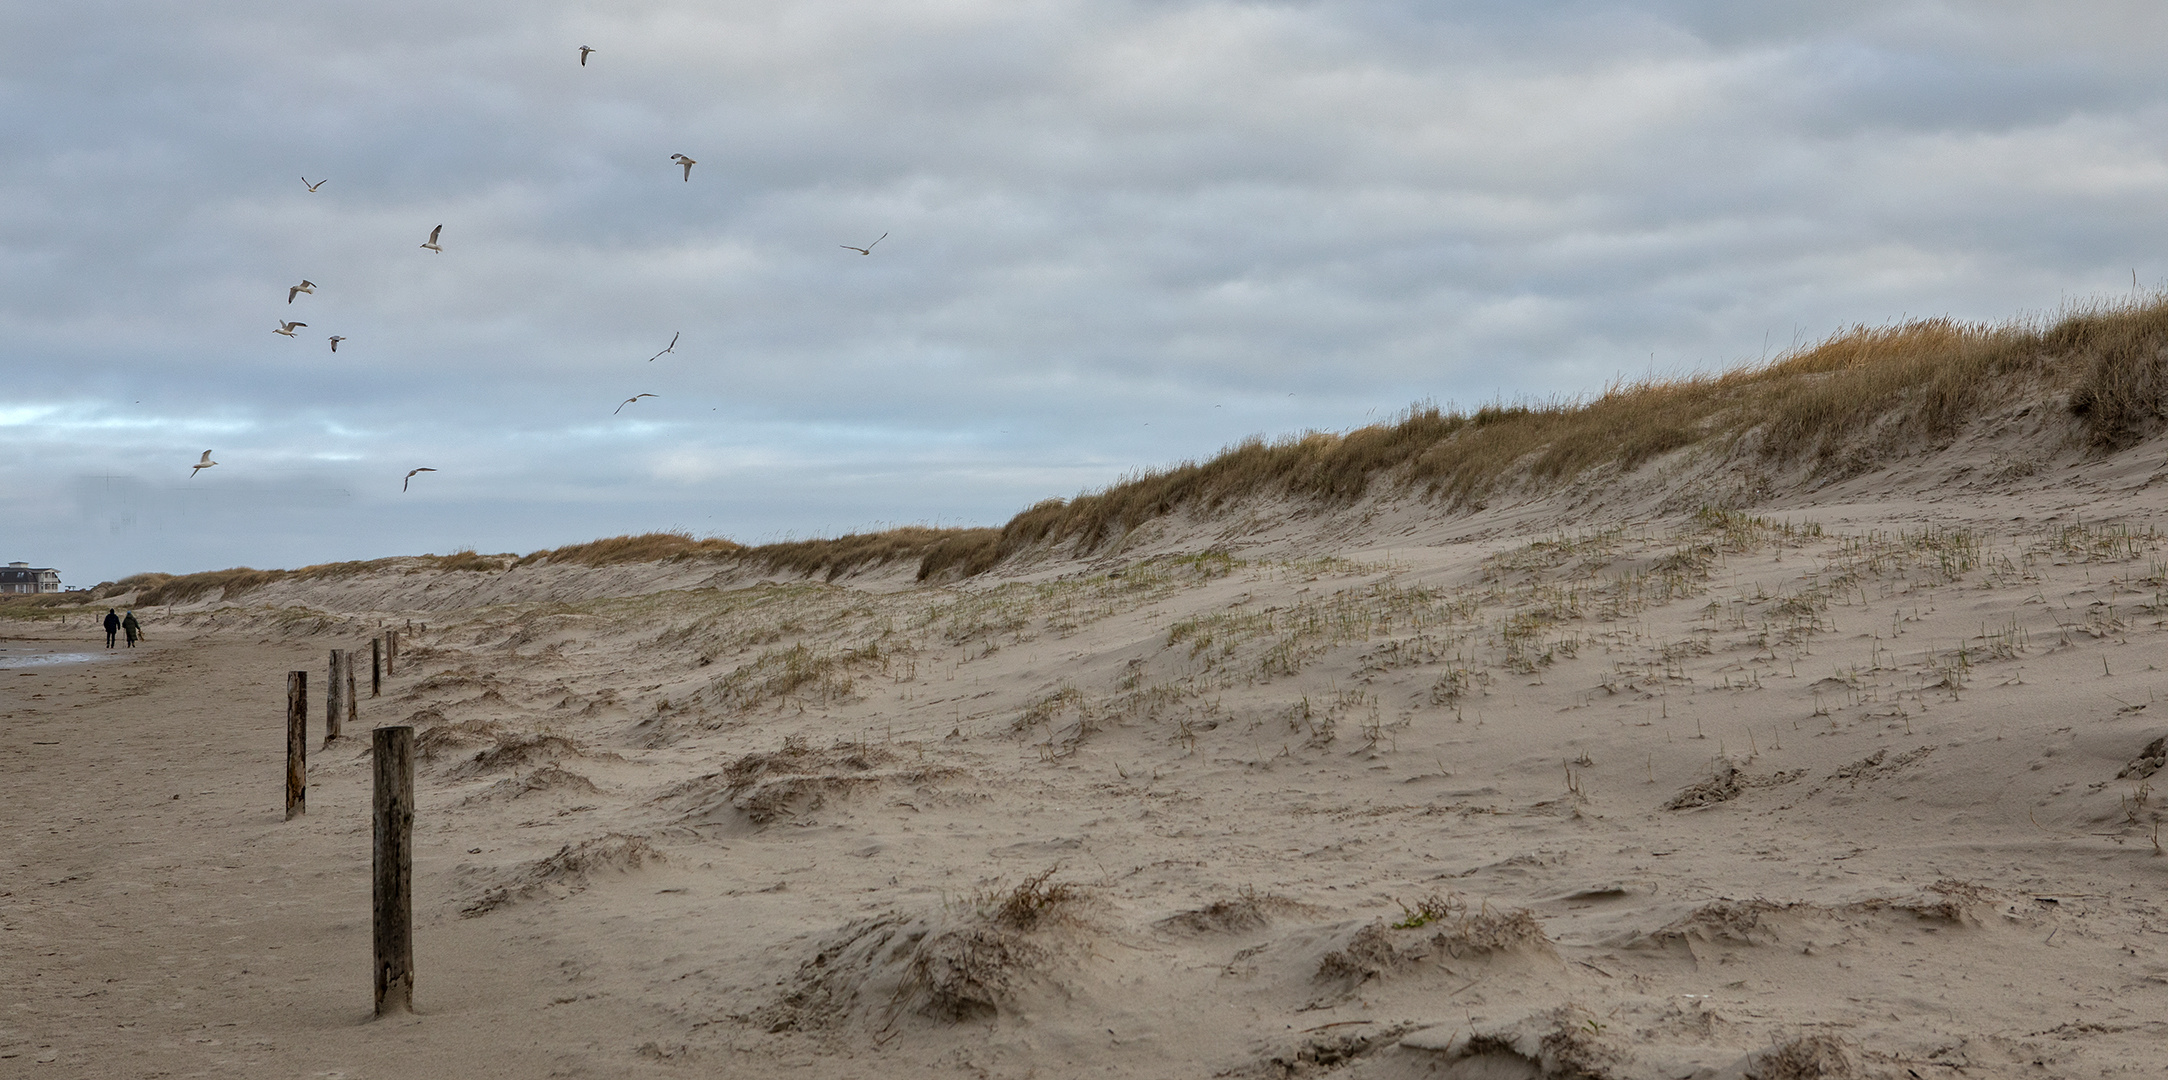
x: 1857, y: 398
x: 640, y: 548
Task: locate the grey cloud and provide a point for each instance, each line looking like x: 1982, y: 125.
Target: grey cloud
x: 1101, y: 217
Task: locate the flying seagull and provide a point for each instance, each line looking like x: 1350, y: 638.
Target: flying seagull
x: 288, y: 328
x: 318, y: 184
x: 628, y: 401
x: 687, y: 162
x: 584, y: 50
x: 306, y: 286
x: 201, y: 465
x: 671, y: 349
x: 432, y: 244
x: 868, y: 249
x: 335, y: 340
x: 410, y: 478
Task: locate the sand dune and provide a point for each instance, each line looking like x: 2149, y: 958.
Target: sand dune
x: 1856, y: 777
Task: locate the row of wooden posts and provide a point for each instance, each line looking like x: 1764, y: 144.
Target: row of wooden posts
x: 391, y: 852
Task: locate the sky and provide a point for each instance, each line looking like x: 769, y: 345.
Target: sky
x: 1118, y: 235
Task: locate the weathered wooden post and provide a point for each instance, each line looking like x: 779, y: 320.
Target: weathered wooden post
x: 334, y: 692
x: 391, y: 652
x: 297, y: 744
x: 393, y: 855
x: 376, y: 666
x: 353, y: 700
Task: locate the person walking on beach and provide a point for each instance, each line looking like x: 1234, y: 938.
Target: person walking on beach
x: 112, y: 626
x: 134, y: 628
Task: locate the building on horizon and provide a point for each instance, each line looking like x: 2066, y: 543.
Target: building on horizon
x: 21, y: 577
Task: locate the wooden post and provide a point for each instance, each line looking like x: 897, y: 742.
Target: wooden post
x: 353, y: 700
x: 393, y: 855
x: 297, y: 744
x: 391, y: 652
x: 334, y: 692
x: 376, y: 666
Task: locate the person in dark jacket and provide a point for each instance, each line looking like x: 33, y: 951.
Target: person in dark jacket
x: 133, y: 628
x: 112, y: 626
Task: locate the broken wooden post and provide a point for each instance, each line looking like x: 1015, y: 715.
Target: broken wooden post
x: 393, y: 855
x: 376, y: 666
x: 297, y: 744
x: 334, y: 693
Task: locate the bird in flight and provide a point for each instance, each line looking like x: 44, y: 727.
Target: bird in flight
x: 671, y: 349
x: 318, y: 184
x: 584, y: 50
x: 687, y: 162
x: 288, y: 328
x: 335, y: 340
x: 410, y: 478
x: 628, y: 401
x: 306, y: 286
x: 432, y: 244
x: 868, y: 249
x: 201, y: 465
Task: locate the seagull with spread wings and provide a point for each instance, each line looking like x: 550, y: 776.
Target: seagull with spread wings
x: 671, y: 349
x: 318, y: 184
x: 335, y: 340
x: 433, y: 235
x: 306, y: 286
x: 584, y: 50
x: 621, y: 407
x: 868, y: 249
x: 687, y: 162
x: 288, y: 328
x: 205, y: 463
x: 410, y: 478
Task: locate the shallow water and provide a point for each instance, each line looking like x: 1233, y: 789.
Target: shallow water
x: 22, y: 658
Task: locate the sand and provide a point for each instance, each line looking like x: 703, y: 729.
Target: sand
x: 1861, y: 782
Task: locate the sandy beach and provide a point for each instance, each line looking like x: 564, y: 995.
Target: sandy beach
x: 1859, y: 784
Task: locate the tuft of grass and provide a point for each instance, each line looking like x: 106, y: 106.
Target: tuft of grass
x: 1033, y: 901
x: 1430, y: 909
x: 1809, y: 1057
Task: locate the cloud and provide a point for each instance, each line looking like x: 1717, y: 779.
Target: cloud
x: 1121, y: 234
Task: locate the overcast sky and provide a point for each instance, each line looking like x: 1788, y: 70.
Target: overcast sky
x: 1119, y: 235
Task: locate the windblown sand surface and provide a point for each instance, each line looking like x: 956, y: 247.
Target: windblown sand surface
x: 1865, y: 786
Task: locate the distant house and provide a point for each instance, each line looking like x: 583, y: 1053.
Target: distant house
x: 21, y: 577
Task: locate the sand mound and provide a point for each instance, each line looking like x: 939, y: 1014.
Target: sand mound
x: 1879, y: 765
x: 518, y: 750
x: 568, y: 871
x: 1439, y: 928
x: 444, y: 739
x: 974, y: 961
x: 550, y: 777
x: 1317, y: 1053
x: 1568, y: 1043
x: 1727, y: 783
x: 1247, y: 911
x: 1744, y: 922
x: 1811, y: 1057
x: 763, y: 788
x: 1946, y: 900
